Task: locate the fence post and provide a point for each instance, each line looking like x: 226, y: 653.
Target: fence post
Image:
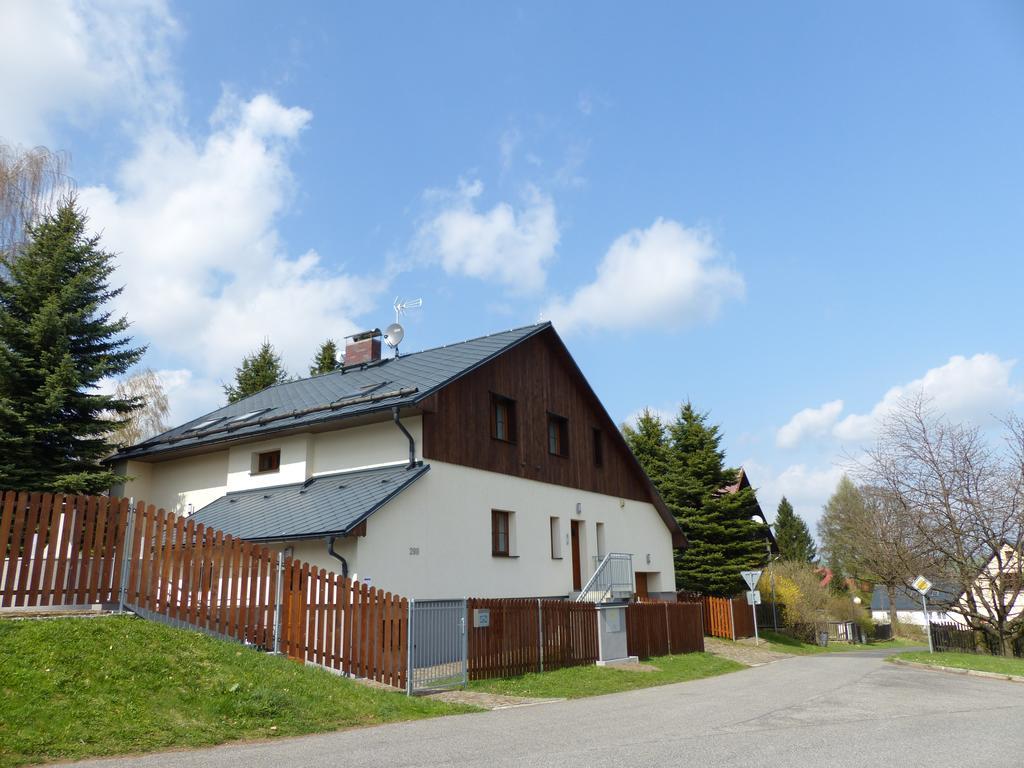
x: 409, y: 649
x: 668, y: 629
x: 126, y: 555
x: 732, y: 617
x: 540, y: 633
x: 465, y: 641
x: 277, y: 602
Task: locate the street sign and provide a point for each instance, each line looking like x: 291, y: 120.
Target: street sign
x: 754, y: 597
x: 481, y: 617
x: 922, y: 585
x: 751, y: 577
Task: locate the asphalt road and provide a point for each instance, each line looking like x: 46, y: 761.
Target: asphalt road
x: 851, y: 709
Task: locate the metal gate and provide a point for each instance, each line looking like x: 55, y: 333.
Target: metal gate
x: 437, y: 645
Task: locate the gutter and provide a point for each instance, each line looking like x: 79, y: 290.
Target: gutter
x: 412, y: 442
x: 339, y: 558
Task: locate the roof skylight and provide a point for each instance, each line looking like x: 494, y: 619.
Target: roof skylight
x: 204, y: 424
x: 246, y: 416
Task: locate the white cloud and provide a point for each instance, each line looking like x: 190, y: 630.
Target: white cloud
x: 509, y: 245
x: 665, y: 275
x: 206, y: 274
x: 965, y: 388
x: 76, y: 61
x: 810, y: 422
x: 806, y: 487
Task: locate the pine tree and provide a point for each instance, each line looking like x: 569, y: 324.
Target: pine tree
x: 793, y: 536
x: 57, y: 341
x: 326, y: 359
x: 686, y: 463
x: 259, y: 370
x: 649, y: 445
x: 724, y: 538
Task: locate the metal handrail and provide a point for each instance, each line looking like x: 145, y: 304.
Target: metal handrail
x: 614, y: 571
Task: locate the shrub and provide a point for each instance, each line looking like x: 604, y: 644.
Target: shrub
x: 806, y: 604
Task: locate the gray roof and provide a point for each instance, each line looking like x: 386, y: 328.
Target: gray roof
x: 354, y: 391
x: 322, y: 506
x: 909, y: 599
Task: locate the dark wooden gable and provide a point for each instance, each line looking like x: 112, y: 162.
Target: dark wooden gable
x: 542, y: 379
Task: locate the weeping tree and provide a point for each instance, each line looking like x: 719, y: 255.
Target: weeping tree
x: 144, y: 389
x: 32, y: 182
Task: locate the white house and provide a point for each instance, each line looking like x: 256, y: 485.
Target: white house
x: 485, y: 468
x: 909, y: 609
x: 998, y: 590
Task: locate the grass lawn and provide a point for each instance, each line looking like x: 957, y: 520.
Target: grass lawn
x: 75, y: 688
x: 577, y: 682
x: 1001, y: 664
x: 786, y: 644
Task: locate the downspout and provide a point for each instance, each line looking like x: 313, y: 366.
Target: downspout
x: 412, y: 443
x: 342, y: 560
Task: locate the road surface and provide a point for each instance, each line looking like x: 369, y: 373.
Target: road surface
x: 842, y: 709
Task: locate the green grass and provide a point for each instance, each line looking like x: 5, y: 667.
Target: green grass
x: 75, y: 688
x: 786, y: 644
x: 1000, y: 664
x: 577, y: 682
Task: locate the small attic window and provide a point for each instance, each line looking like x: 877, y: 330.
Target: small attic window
x: 268, y: 461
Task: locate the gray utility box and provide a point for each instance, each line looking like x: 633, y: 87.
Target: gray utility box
x: 611, y: 634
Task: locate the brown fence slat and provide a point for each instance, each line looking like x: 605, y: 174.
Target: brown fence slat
x: 8, y: 519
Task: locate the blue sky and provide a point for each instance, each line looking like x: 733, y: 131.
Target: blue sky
x: 790, y: 213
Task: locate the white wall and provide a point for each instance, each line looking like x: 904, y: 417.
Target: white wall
x: 179, y: 485
x: 912, y: 617
x: 295, y: 450
x: 364, y: 446
x: 446, y: 515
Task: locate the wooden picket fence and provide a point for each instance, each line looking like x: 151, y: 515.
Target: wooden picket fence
x: 526, y: 635
x: 659, y: 628
x: 66, y: 550
x: 730, y: 618
x: 62, y: 550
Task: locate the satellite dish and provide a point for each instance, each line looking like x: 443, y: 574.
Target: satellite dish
x: 393, y: 335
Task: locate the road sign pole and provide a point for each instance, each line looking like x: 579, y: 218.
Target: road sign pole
x: 753, y: 610
x: 927, y: 623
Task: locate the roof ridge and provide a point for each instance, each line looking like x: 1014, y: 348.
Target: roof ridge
x: 386, y: 359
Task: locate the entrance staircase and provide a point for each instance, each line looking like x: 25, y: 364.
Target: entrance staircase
x: 612, y: 580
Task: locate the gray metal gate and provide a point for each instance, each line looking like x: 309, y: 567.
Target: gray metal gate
x: 437, y: 645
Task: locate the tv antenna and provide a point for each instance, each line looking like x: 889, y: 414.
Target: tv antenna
x: 402, y: 306
x: 394, y: 333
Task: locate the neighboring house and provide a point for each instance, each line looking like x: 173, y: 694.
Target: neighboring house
x: 908, y: 605
x: 742, y: 481
x: 998, y: 587
x: 484, y: 468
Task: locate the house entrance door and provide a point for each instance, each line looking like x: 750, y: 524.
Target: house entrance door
x: 577, y: 577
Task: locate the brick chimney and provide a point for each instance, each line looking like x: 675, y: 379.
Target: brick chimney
x: 363, y: 347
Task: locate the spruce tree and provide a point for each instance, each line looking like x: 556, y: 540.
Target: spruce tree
x: 792, y: 535
x: 259, y: 370
x: 724, y: 538
x: 649, y: 445
x: 57, y: 342
x: 686, y: 463
x: 326, y: 359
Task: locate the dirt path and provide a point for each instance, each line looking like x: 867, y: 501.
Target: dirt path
x: 742, y: 652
